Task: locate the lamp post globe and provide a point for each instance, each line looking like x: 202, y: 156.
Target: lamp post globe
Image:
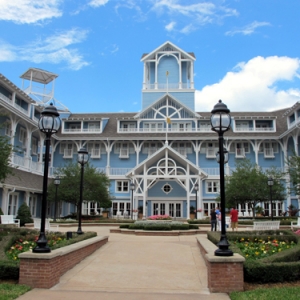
x: 220, y: 123
x: 56, y: 183
x: 49, y: 123
x: 82, y: 159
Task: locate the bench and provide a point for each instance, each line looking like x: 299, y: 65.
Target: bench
x: 266, y: 225
x: 295, y: 225
x: 48, y: 225
x: 10, y: 219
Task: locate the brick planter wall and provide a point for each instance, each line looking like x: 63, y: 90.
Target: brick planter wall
x: 224, y: 274
x: 43, y: 270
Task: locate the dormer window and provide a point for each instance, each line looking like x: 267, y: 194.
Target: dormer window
x: 128, y: 127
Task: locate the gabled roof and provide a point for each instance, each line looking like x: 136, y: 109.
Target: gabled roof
x: 162, y: 98
x: 162, y: 47
x: 160, y: 154
x: 38, y: 75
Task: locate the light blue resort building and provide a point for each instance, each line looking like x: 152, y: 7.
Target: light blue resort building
x: 165, y: 149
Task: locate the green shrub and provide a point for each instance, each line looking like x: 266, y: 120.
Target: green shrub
x: 124, y: 226
x: 24, y: 214
x: 1, y: 212
x: 191, y: 226
x: 9, y: 270
x: 160, y: 227
x: 136, y: 226
x: 180, y: 226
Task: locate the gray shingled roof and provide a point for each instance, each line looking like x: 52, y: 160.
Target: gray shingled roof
x: 27, y: 180
x: 110, y: 131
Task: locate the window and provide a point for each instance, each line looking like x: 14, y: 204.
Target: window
x: 167, y: 188
x: 32, y: 205
x: 153, y: 126
x: 122, y: 186
x: 95, y: 150
x: 181, y: 126
x: 23, y: 136
x: 242, y: 126
x: 93, y: 127
x: 8, y: 129
x: 123, y: 149
x: 12, y: 204
x: 34, y: 146
x: 128, y: 127
x: 67, y: 149
x: 212, y: 186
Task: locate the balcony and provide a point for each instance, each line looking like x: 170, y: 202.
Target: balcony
x: 81, y: 130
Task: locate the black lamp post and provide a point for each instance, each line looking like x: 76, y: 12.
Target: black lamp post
x: 196, y: 188
x: 131, y: 204
x: 83, y: 157
x: 220, y: 123
x: 49, y: 124
x: 56, y: 183
x: 270, y: 184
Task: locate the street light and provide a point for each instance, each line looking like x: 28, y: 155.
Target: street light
x: 131, y: 204
x: 83, y: 157
x: 220, y: 123
x: 270, y: 184
x: 196, y: 188
x: 57, y: 183
x: 49, y: 124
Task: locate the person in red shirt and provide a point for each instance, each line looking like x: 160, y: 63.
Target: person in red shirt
x: 234, y: 218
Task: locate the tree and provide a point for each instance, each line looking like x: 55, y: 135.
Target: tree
x: 293, y: 169
x: 95, y: 186
x: 24, y: 214
x: 249, y: 184
x: 5, y: 152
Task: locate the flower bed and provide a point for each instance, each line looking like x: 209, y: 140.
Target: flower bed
x: 159, y: 217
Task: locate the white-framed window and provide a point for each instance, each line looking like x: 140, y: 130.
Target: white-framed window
x: 34, y: 146
x: 32, y: 205
x: 13, y: 204
x: 153, y: 126
x: 95, y: 149
x: 93, y: 127
x: 269, y: 148
x: 182, y: 126
x: 123, y: 149
x: 67, y: 149
x: 241, y: 126
x: 90, y: 208
x: 121, y: 207
x: 167, y: 188
x: 205, y: 126
x: 128, y: 126
x: 212, y: 186
x: 122, y: 186
x: 7, y: 129
x: 23, y: 136
x: 208, y: 207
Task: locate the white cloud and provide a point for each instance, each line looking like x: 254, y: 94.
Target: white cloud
x: 199, y: 13
x: 54, y: 49
x: 29, y: 11
x: 248, y: 29
x: 254, y: 86
x: 187, y: 29
x: 170, y: 26
x: 97, y: 3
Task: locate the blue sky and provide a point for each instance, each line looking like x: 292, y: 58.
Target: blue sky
x: 247, y: 52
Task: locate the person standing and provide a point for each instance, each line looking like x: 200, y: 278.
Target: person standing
x: 234, y: 218
x: 218, y: 212
x: 213, y: 220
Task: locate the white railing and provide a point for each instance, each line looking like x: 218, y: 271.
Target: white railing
x: 21, y: 109
x: 26, y: 163
x: 251, y: 129
x: 118, y: 171
x: 211, y: 171
x: 81, y: 130
x: 6, y: 99
x: 141, y: 130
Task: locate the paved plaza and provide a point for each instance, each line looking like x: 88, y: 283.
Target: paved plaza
x: 135, y: 267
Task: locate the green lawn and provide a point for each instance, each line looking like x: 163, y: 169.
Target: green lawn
x: 279, y: 293
x: 12, y: 291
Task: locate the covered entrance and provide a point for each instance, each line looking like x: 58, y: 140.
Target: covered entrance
x: 173, y: 209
